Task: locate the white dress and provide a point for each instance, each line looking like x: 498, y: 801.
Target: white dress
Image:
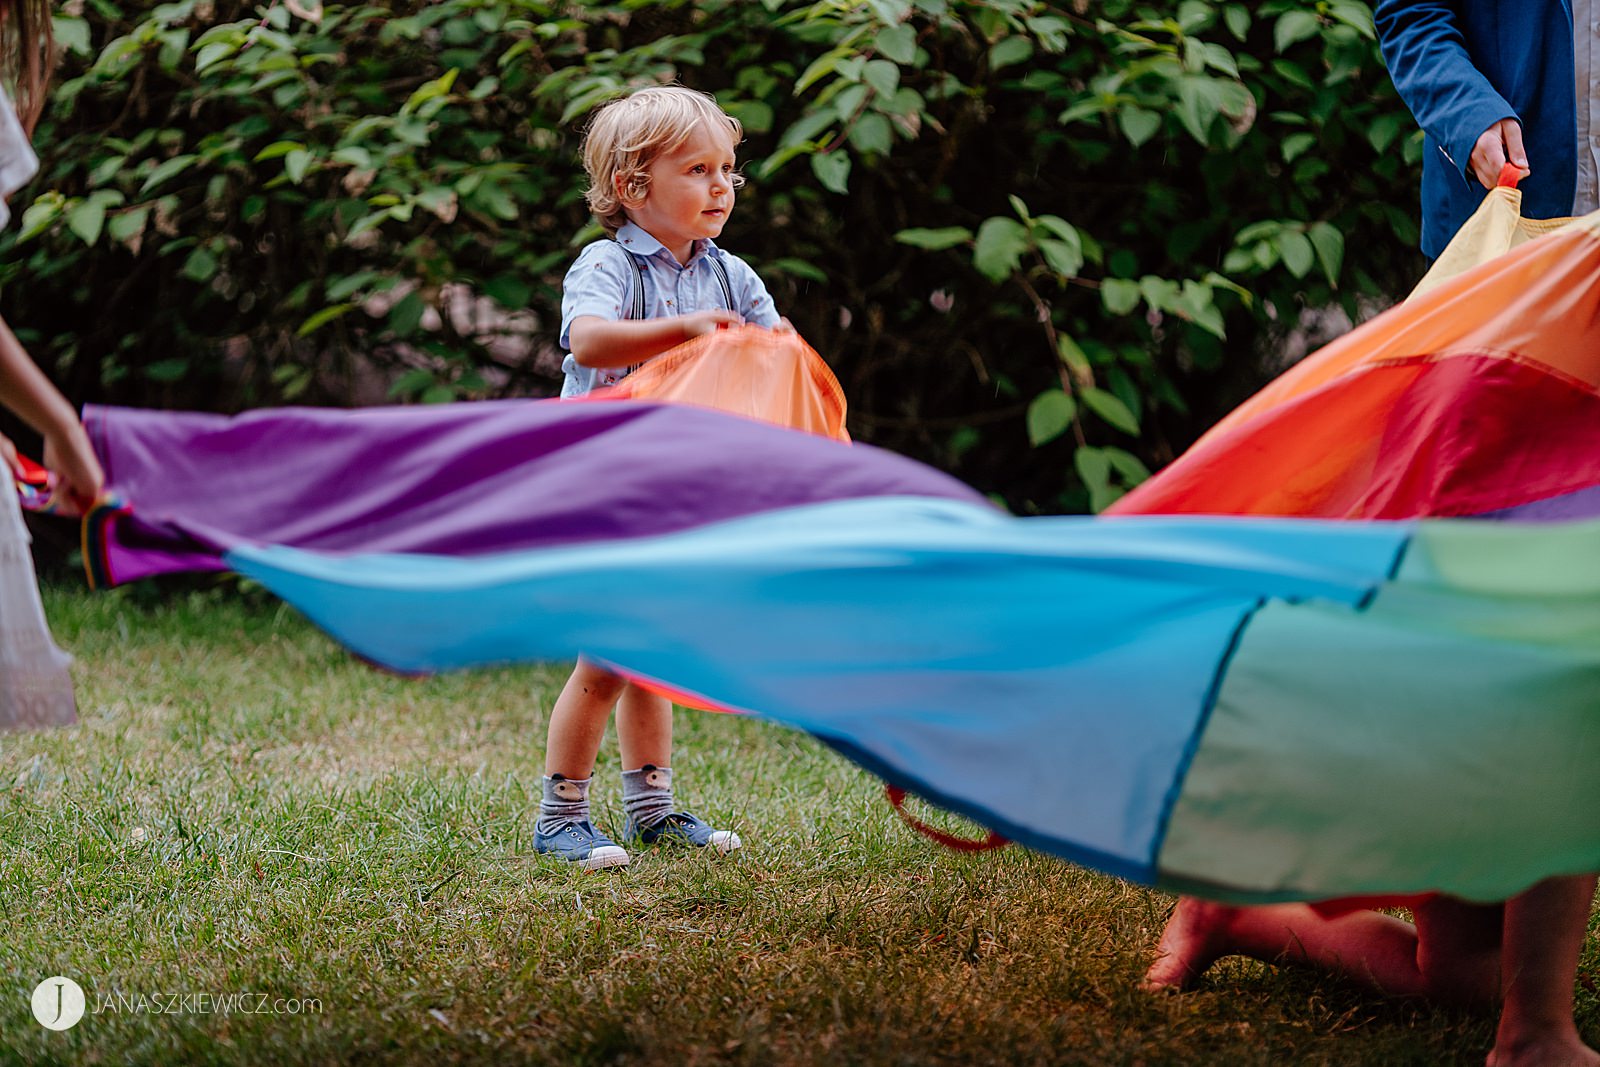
x: 35, y: 688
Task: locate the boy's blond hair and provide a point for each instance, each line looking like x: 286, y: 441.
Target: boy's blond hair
x: 626, y: 135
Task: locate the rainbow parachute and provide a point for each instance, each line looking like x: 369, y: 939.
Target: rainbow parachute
x: 1254, y: 708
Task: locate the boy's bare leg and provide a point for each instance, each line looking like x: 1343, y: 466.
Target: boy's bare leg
x: 1375, y: 949
x: 578, y: 721
x: 644, y: 728
x: 1544, y: 932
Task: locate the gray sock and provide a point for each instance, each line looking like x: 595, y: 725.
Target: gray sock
x: 565, y: 800
x: 647, y: 794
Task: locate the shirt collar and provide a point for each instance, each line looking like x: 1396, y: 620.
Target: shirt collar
x: 638, y: 240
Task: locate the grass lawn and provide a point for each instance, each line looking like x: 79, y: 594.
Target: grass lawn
x: 245, y: 809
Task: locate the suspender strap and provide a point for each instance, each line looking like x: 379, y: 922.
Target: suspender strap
x: 638, y: 283
x: 722, y: 279
x: 638, y: 286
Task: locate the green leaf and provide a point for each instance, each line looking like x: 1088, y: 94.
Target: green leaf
x: 128, y: 225
x: 1138, y: 125
x: 167, y: 370
x: 295, y: 164
x: 212, y: 54
x: 106, y: 171
x: 411, y: 382
x: 883, y: 76
x: 1383, y: 130
x: 1329, y: 243
x: 322, y: 318
x: 798, y: 267
x: 1295, y: 144
x: 406, y: 315
x: 1109, y: 408
x: 509, y: 291
x: 72, y: 34
x: 1295, y: 248
x: 354, y: 156
x: 934, y: 240
x: 439, y: 86
x: 341, y: 288
x: 849, y: 100
x: 201, y: 266
x: 1220, y: 59
x: 1049, y: 416
x: 276, y: 150
x: 1064, y: 257
x: 871, y: 134
x: 367, y: 222
x: 412, y: 131
x: 1160, y: 293
x: 1094, y: 468
x: 1073, y: 355
x: 1199, y: 103
x: 999, y: 247
x: 40, y: 216
x: 86, y: 220
x: 832, y: 170
x: 1120, y: 295
x: 820, y: 68
x: 1294, y: 26
x: 1127, y: 465
x: 1010, y: 50
x: 1237, y: 16
x: 166, y: 171
x: 753, y: 115
x: 898, y: 43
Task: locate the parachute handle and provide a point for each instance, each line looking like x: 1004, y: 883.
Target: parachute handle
x: 897, y: 800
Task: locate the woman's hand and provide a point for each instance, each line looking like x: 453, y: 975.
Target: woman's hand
x: 79, y: 479
x: 1498, y: 145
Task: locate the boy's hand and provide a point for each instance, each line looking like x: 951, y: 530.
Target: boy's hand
x: 704, y: 322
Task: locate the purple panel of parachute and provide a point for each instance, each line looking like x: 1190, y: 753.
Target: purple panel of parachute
x: 456, y: 479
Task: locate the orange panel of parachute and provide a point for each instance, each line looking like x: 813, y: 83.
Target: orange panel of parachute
x: 1480, y: 392
x: 770, y: 375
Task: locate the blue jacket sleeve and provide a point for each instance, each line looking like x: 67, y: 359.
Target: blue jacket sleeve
x: 1426, y: 50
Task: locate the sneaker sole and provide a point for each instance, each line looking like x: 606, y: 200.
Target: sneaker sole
x: 603, y: 858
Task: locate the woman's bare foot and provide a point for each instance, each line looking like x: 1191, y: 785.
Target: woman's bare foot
x: 1549, y: 1051
x: 1197, y: 935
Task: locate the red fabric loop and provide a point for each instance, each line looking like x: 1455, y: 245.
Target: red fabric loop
x: 1510, y: 175
x: 897, y: 800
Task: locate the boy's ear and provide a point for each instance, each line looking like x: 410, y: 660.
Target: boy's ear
x: 631, y: 188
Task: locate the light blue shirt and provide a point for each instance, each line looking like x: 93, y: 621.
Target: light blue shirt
x: 600, y: 283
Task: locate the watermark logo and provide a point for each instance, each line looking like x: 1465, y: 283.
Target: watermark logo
x: 58, y: 1003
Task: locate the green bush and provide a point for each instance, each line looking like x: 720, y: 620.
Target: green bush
x: 1042, y: 245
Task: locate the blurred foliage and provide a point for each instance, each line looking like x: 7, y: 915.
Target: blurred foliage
x: 1043, y: 245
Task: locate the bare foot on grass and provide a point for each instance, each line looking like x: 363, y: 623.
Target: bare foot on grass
x: 1550, y: 1051
x: 1196, y: 937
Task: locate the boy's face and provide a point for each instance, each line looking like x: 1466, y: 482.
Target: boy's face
x: 691, y: 192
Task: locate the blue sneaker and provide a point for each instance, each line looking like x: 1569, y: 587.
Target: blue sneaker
x: 581, y: 843
x: 681, y: 828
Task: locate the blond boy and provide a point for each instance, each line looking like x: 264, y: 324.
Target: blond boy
x: 662, y: 182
